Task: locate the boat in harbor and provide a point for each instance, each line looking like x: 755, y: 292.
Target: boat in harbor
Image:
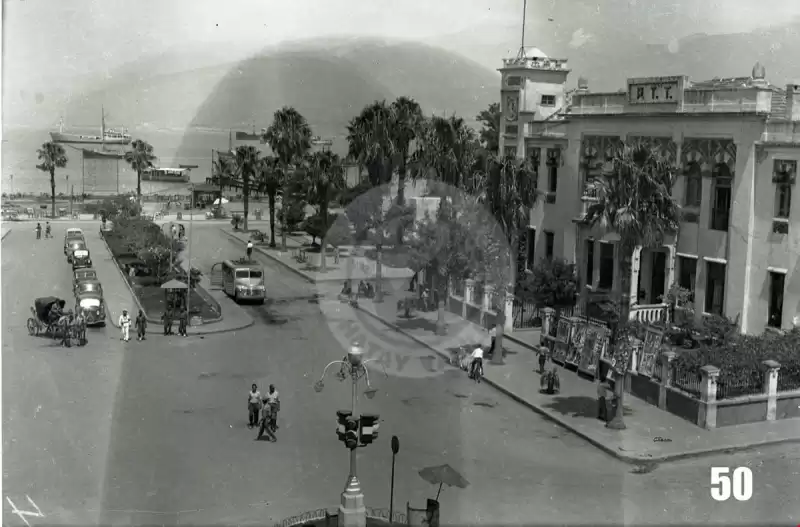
x: 167, y: 175
x: 108, y: 136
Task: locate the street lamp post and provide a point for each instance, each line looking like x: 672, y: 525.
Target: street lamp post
x: 352, y: 512
x: 189, y: 270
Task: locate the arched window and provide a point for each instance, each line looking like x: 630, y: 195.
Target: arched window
x: 721, y: 205
x: 693, y: 194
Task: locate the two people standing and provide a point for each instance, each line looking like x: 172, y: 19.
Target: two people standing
x: 266, y: 406
x: 125, y: 323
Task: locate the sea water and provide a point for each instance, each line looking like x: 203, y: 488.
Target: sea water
x: 171, y: 147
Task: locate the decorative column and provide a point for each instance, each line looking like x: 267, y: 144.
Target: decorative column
x: 670, y: 274
x: 548, y: 317
x: 508, y: 326
x: 771, y: 387
x: 707, y: 411
x: 469, y: 291
x: 665, y: 363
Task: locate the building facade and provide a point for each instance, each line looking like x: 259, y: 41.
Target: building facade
x: 736, y: 143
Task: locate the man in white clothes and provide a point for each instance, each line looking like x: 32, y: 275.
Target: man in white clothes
x: 249, y: 249
x: 476, y: 360
x: 125, y: 325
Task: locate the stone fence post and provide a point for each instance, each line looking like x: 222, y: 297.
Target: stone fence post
x: 508, y: 326
x: 771, y: 387
x: 665, y: 363
x: 707, y: 414
x: 469, y: 291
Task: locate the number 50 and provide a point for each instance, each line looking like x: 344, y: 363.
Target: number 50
x: 740, y: 483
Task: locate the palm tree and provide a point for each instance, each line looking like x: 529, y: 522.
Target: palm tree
x: 406, y: 120
x: 508, y: 191
x: 51, y: 156
x: 447, y: 151
x: 247, y: 164
x: 289, y: 137
x: 140, y: 157
x: 270, y: 182
x: 634, y: 200
x: 369, y: 136
x: 324, y: 179
x: 222, y: 169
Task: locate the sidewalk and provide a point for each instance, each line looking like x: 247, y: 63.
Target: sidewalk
x: 652, y: 434
x: 348, y: 268
x: 118, y: 294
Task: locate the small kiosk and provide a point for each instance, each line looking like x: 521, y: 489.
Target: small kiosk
x: 175, y: 294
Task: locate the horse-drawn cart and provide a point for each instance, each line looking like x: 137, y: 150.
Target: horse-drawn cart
x: 67, y: 327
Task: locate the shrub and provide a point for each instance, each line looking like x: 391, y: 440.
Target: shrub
x: 552, y: 283
x: 296, y: 215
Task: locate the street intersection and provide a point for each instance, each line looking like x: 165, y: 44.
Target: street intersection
x: 156, y: 432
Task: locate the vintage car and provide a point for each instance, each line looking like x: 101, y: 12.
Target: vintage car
x: 72, y: 246
x: 91, y: 305
x: 69, y: 242
x: 80, y: 259
x: 78, y: 275
x: 88, y: 286
x: 72, y: 235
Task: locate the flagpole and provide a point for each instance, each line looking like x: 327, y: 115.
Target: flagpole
x: 521, y: 53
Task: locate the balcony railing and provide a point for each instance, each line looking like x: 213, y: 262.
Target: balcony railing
x: 721, y: 101
x: 781, y: 133
x: 650, y: 313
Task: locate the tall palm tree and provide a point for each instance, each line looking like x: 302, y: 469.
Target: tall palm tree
x: 289, y: 137
x: 140, y: 157
x: 51, y: 156
x: 247, y: 164
x: 446, y: 150
x: 490, y: 132
x: 324, y: 180
x: 369, y: 136
x: 508, y: 191
x: 270, y: 182
x: 634, y: 200
x: 406, y: 120
x: 222, y: 174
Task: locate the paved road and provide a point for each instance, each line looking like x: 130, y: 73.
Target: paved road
x: 167, y: 442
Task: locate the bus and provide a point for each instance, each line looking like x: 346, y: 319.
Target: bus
x: 243, y: 281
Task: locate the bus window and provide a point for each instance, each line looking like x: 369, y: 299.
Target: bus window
x: 255, y: 274
x: 242, y: 273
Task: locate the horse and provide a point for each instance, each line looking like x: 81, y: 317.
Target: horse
x: 79, y: 329
x: 68, y: 328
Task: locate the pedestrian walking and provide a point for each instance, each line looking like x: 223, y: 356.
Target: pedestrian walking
x: 272, y: 399
x: 168, y: 321
x: 141, y: 325
x: 543, y: 352
x: 38, y: 231
x: 125, y: 325
x: 493, y: 337
x: 249, y: 249
x: 182, y: 324
x: 253, y: 406
x: 602, y: 398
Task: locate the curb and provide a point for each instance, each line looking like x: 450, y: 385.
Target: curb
x: 152, y: 321
x: 3, y: 237
x: 631, y: 459
x: 526, y: 345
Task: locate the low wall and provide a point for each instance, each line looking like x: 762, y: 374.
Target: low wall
x: 682, y: 404
x: 741, y: 410
x: 787, y: 405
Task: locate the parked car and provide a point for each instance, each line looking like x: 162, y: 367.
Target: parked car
x: 88, y: 286
x: 79, y: 275
x: 73, y: 244
x: 92, y: 306
x: 80, y: 257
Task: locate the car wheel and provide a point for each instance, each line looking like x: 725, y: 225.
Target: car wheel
x: 262, y: 301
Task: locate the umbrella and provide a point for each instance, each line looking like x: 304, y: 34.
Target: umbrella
x: 443, y: 475
x: 217, y: 201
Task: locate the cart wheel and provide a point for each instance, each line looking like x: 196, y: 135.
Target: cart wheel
x: 33, y: 327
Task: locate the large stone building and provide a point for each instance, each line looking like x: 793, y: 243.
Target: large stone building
x: 737, y: 144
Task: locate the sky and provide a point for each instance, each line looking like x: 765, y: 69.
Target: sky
x: 50, y: 45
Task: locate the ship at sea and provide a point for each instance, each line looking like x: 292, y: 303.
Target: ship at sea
x: 167, y: 175
x: 108, y: 136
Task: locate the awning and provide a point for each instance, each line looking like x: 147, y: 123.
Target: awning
x: 174, y: 284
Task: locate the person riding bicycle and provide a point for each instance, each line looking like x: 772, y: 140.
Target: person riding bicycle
x: 47, y: 231
x: 477, y: 361
x: 38, y: 231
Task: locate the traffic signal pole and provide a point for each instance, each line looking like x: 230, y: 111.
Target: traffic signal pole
x: 352, y: 512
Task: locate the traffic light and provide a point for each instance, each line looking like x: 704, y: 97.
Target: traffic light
x: 341, y: 420
x: 351, y: 433
x: 369, y: 428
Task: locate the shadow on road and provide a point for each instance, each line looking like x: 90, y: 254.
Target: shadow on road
x: 579, y: 406
x: 418, y: 323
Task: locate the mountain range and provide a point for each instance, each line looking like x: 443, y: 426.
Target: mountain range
x: 330, y: 80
